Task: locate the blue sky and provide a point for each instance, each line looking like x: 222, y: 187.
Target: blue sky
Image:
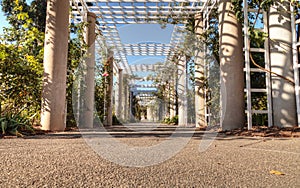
x: 3, y: 22
x: 141, y: 33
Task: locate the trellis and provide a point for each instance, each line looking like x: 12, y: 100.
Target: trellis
x: 112, y: 14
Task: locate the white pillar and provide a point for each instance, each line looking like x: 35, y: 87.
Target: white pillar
x: 55, y: 66
x: 168, y: 101
x: 110, y: 91
x: 172, y: 99
x: 231, y: 66
x: 283, y: 92
x: 86, y: 117
x: 125, y: 98
x: 119, y: 102
x: 150, y: 114
x: 181, y: 90
x: 165, y: 102
x: 199, y: 75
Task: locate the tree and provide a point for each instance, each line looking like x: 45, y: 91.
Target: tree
x: 36, y: 12
x: 21, y: 56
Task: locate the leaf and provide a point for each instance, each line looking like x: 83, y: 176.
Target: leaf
x: 276, y: 172
x: 3, y: 126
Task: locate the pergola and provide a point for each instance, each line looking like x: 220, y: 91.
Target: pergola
x: 106, y: 16
x: 112, y: 14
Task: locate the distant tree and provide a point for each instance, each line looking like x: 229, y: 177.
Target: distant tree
x: 8, y: 7
x: 36, y: 12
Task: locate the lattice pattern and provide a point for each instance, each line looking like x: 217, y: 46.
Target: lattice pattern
x: 144, y: 67
x: 112, y: 13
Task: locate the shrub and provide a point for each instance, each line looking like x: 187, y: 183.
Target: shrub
x: 15, y: 124
x: 169, y: 121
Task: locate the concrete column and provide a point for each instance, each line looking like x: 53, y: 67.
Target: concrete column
x: 164, y: 110
x: 231, y: 66
x: 125, y: 97
x: 175, y: 99
x: 149, y: 114
x: 130, y: 109
x: 118, y: 103
x: 283, y: 92
x: 181, y: 90
x: 109, y: 92
x: 86, y: 116
x: 172, y: 99
x: 168, y: 100
x: 199, y: 75
x: 55, y: 66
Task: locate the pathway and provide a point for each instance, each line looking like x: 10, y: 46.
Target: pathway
x: 65, y: 160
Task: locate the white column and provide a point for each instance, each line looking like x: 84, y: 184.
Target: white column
x: 172, y: 99
x: 55, y: 66
x: 110, y: 91
x: 283, y: 92
x: 231, y: 65
x: 199, y: 75
x: 86, y: 116
x: 149, y: 114
x: 119, y: 103
x: 125, y: 97
x: 181, y: 90
x: 296, y: 63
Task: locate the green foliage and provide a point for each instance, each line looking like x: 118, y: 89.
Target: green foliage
x: 260, y: 119
x: 259, y: 101
x: 257, y: 37
x: 100, y: 90
x: 36, y: 12
x: 210, y: 36
x: 174, y: 120
x: 11, y: 8
x: 76, y: 55
x: 171, y: 121
x: 21, y: 57
x: 166, y: 120
x: 254, y: 4
x: 237, y: 7
x: 15, y: 123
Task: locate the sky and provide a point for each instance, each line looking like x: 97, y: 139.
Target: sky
x: 3, y: 22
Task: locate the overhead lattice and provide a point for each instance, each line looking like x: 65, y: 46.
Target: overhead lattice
x: 113, y: 13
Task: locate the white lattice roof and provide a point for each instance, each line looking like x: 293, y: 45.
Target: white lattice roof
x: 114, y: 13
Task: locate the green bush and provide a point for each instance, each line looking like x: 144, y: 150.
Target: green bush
x: 166, y: 120
x: 174, y: 120
x: 169, y: 121
x: 15, y: 124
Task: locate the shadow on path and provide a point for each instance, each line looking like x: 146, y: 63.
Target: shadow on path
x: 137, y: 130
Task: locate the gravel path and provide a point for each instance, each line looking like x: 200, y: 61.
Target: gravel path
x: 67, y: 161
